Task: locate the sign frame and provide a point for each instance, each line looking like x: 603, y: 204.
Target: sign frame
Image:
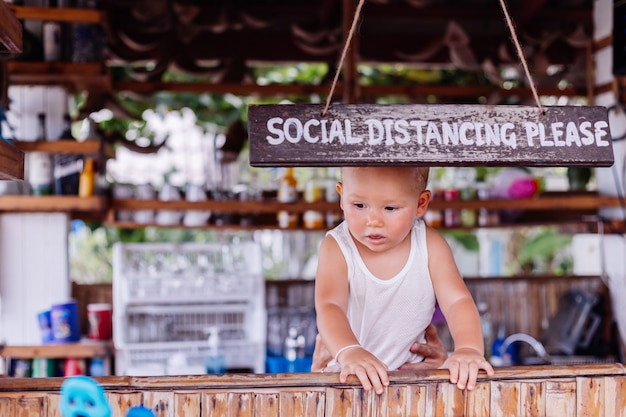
x: 428, y: 135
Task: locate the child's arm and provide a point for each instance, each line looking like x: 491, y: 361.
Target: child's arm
x: 458, y: 307
x: 331, y: 303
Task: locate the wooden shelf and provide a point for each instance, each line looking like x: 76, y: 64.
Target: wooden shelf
x: 11, y: 32
x: 90, y: 76
x: 88, y: 349
x: 11, y: 162
x: 87, y: 147
x: 54, y: 203
x: 65, y: 14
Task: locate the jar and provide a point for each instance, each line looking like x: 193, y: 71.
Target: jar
x: 451, y: 216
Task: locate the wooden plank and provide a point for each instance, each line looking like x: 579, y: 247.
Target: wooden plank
x: 54, y: 400
x: 11, y: 161
x: 214, y: 404
x: 291, y: 404
x: 30, y: 407
x: 340, y: 402
x: 121, y: 402
x: 416, y: 400
x: 314, y: 404
x: 7, y: 407
x: 532, y: 399
x: 240, y: 404
x: 11, y: 32
x: 398, y: 401
x: 615, y: 397
x: 561, y: 398
x: 160, y: 402
x: 590, y: 397
x: 187, y: 404
x: 505, y: 399
x: 267, y: 404
x: 430, y: 135
x: 477, y: 400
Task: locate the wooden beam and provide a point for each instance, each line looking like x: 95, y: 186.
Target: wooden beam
x: 10, y: 31
x: 429, y: 135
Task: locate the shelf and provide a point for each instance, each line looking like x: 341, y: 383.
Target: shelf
x: 88, y: 147
x: 88, y: 76
x: 11, y: 32
x: 89, y: 349
x: 11, y: 162
x: 65, y: 14
x: 54, y: 203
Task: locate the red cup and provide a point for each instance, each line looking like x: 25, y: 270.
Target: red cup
x: 99, y: 319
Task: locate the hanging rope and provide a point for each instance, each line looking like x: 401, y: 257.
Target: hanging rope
x: 520, y: 54
x: 357, y: 15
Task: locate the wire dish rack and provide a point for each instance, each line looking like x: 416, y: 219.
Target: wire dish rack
x: 168, y: 297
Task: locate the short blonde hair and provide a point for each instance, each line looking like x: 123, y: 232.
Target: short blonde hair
x: 419, y: 174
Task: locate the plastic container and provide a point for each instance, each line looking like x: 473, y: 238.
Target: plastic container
x: 65, y: 322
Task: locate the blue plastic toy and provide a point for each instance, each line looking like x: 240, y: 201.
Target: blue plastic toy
x: 82, y: 396
x: 139, y: 411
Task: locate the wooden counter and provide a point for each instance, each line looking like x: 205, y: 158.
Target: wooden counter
x: 590, y: 390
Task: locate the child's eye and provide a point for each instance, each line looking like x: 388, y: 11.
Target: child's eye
x: 389, y: 208
x: 359, y: 205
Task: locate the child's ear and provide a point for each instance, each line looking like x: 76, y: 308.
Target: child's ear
x: 339, y: 188
x: 422, y: 204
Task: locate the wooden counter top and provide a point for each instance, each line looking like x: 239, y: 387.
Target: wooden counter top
x: 588, y: 390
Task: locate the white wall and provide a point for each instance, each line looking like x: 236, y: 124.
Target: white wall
x: 34, y: 272
x: 34, y: 265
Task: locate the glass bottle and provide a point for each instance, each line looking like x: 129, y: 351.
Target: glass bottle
x: 67, y: 166
x: 333, y: 217
x: 40, y: 164
x: 314, y: 191
x: 215, y: 362
x: 287, y: 193
x: 87, y: 179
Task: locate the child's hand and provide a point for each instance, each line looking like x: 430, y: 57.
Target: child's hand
x: 370, y: 371
x: 464, y: 364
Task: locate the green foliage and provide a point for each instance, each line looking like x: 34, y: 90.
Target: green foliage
x: 467, y: 239
x: 543, y: 248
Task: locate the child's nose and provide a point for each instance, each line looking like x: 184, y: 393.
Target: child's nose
x: 374, y: 219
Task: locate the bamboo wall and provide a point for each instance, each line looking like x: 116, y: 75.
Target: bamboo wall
x: 591, y: 390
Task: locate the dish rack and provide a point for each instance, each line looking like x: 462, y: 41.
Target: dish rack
x: 168, y: 297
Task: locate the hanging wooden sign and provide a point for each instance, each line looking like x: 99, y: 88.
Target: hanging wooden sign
x: 429, y: 135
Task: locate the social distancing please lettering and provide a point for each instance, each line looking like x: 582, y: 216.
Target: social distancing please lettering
x: 432, y: 135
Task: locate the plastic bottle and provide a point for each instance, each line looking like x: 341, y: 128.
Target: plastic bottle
x: 215, y: 362
x: 497, y: 356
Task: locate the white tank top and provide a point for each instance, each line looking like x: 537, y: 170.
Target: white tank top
x: 387, y: 316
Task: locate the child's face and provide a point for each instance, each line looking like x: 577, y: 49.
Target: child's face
x: 380, y: 204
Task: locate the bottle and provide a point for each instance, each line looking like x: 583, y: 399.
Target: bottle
x: 215, y: 362
x: 287, y: 193
x: 40, y: 164
x: 86, y: 183
x: 487, y: 327
x: 52, y: 38
x: 314, y: 191
x: 497, y: 357
x: 294, y: 348
x: 67, y: 166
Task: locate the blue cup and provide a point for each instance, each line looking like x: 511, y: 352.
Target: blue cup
x: 65, y: 322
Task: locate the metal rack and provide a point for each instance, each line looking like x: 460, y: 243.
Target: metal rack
x: 166, y: 297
